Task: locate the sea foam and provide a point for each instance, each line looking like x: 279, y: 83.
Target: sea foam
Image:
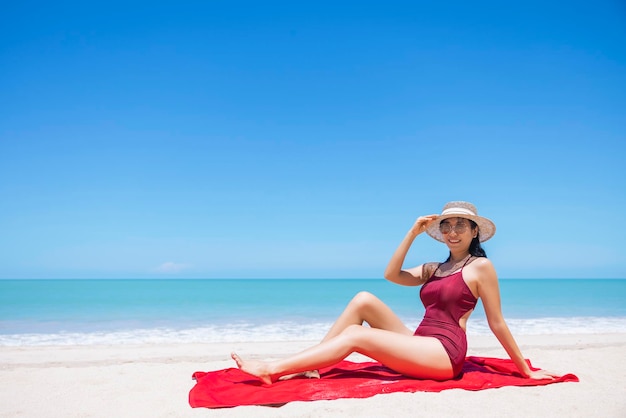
x: 291, y: 331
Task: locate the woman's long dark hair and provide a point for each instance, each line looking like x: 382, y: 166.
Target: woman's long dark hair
x: 475, y: 249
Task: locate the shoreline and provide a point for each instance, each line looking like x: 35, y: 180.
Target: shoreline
x: 152, y: 380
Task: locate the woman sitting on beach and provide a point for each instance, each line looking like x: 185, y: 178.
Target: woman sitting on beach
x: 450, y: 291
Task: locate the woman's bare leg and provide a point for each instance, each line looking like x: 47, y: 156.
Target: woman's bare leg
x: 364, y: 307
x: 407, y: 354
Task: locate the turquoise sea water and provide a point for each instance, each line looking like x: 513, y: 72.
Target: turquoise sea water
x: 40, y: 312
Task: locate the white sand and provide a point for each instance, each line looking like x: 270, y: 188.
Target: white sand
x: 154, y: 381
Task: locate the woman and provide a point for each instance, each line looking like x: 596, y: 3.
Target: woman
x: 450, y: 290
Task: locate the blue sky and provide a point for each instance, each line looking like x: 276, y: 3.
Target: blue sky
x: 302, y: 139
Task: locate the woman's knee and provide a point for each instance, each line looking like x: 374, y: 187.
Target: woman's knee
x: 363, y: 299
x: 351, y: 335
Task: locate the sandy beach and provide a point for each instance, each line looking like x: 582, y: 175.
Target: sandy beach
x: 154, y: 381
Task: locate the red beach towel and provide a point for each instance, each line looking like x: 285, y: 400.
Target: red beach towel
x: 231, y: 387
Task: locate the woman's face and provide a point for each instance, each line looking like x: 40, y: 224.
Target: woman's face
x: 457, y: 232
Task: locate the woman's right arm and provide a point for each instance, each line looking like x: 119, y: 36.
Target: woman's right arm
x: 413, y: 276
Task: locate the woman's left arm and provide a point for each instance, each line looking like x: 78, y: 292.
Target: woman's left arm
x: 489, y: 293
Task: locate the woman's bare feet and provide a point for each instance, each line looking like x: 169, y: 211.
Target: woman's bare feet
x: 311, y: 374
x: 255, y: 368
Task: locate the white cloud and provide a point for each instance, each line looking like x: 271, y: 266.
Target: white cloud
x: 171, y: 267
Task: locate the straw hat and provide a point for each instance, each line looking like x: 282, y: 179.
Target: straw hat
x: 486, y: 227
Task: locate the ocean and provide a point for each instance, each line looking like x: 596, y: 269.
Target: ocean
x: 110, y: 312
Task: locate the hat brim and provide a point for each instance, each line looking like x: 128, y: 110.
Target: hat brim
x: 486, y: 228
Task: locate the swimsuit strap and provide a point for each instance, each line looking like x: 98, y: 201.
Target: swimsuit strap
x: 463, y: 266
x: 435, y: 271
x: 466, y: 261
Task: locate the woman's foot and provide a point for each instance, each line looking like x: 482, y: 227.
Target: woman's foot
x: 311, y: 374
x: 255, y: 368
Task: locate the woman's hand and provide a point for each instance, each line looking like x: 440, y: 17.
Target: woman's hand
x: 542, y: 374
x: 422, y: 223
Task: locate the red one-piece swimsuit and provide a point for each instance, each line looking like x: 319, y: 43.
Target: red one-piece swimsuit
x: 446, y: 300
